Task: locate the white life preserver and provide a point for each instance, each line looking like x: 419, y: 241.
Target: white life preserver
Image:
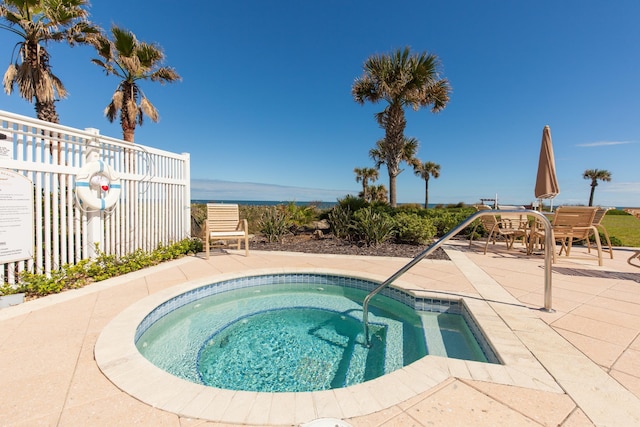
x: 107, y: 182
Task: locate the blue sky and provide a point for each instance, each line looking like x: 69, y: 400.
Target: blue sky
x: 266, y: 112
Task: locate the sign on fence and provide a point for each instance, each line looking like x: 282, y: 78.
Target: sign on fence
x: 6, y: 145
x: 16, y: 217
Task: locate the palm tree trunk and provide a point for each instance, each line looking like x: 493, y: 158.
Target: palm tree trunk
x: 392, y: 189
x: 395, y: 123
x: 593, y: 189
x: 426, y: 193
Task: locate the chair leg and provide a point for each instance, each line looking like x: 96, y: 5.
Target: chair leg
x: 486, y: 246
x: 471, y: 236
x: 568, y: 251
x: 563, y: 245
x: 508, y: 240
x: 606, y: 237
x: 598, y: 245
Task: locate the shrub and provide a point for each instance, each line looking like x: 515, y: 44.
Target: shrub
x: 617, y: 212
x: 410, y: 228
x: 373, y: 228
x: 352, y: 203
x: 409, y: 207
x: 274, y: 224
x: 445, y: 221
x: 614, y: 240
x: 71, y: 276
x: 253, y: 214
x: 300, y: 216
x: 341, y: 221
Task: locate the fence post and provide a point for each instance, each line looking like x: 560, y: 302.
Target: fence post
x: 94, y: 218
x: 186, y: 224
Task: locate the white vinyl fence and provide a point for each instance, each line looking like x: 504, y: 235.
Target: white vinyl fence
x: 153, y: 206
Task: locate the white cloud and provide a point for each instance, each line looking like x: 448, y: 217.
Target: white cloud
x: 212, y: 189
x: 604, y: 143
x: 621, y: 187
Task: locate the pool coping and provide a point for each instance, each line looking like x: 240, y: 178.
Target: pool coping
x: 120, y: 361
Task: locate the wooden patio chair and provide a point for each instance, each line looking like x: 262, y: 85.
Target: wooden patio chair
x: 597, y: 222
x: 492, y: 226
x: 573, y: 223
x: 517, y: 225
x: 223, y: 223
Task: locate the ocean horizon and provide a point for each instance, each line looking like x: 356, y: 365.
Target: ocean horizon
x: 319, y: 204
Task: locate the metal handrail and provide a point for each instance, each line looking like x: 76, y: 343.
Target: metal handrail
x: 548, y: 258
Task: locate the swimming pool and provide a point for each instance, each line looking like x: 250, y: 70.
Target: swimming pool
x: 121, y: 362
x: 301, y: 332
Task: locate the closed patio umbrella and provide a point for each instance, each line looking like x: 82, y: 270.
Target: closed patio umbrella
x: 546, y: 182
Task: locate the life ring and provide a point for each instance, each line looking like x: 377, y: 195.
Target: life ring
x: 95, y: 179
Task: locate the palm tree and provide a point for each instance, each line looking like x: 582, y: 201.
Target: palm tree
x: 38, y: 23
x: 386, y: 154
x: 424, y: 171
x: 131, y: 60
x: 378, y: 193
x: 401, y: 79
x: 594, y: 175
x: 365, y: 175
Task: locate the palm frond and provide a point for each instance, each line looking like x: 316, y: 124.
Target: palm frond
x: 124, y: 41
x: 116, y: 99
x: 111, y: 112
x: 150, y: 55
x: 165, y: 75
x: 9, y: 78
x: 57, y: 85
x: 131, y: 65
x: 149, y: 109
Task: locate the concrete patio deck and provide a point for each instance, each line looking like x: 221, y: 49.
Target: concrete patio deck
x: 589, y: 348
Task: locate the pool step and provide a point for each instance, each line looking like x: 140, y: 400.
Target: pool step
x: 433, y: 335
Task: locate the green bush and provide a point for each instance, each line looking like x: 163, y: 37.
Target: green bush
x: 446, y: 220
x: 274, y: 224
x: 352, y: 203
x: 409, y: 208
x: 252, y: 214
x: 72, y: 276
x: 300, y: 216
x: 613, y: 239
x: 412, y: 229
x: 617, y: 212
x: 340, y: 220
x: 373, y: 228
x: 412, y: 223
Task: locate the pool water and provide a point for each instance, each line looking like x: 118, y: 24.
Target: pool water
x: 284, y: 338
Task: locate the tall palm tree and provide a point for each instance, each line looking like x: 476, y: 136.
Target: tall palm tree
x: 131, y: 60
x: 37, y: 23
x: 389, y: 154
x: 401, y: 79
x: 365, y: 175
x: 424, y: 171
x: 594, y: 175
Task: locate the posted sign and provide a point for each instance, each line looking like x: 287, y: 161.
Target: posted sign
x: 16, y: 217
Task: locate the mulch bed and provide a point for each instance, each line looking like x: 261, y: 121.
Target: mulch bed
x: 328, y: 244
